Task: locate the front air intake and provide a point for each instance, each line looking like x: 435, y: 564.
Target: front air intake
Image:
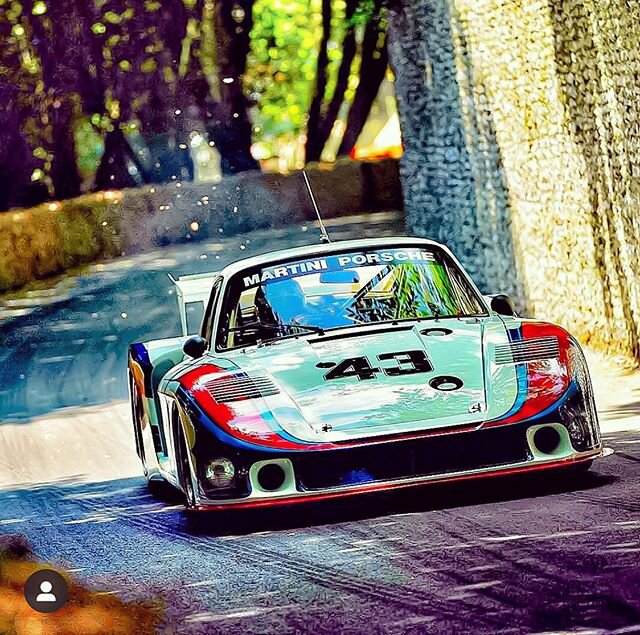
x: 239, y: 387
x: 271, y: 477
x: 530, y: 350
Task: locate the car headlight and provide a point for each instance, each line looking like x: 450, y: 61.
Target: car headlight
x: 220, y: 473
x: 578, y: 412
x: 573, y: 415
x: 579, y: 418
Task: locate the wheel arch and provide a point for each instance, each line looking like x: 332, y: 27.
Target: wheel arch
x: 183, y: 438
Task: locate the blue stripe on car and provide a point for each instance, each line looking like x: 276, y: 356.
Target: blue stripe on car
x: 515, y: 335
x: 140, y: 354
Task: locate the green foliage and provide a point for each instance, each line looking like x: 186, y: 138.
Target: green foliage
x: 281, y: 66
x: 89, y: 145
x: 365, y: 10
x: 147, y: 61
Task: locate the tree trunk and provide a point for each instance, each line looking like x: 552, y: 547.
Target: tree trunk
x: 165, y: 115
x: 328, y: 120
x: 113, y: 173
x: 54, y: 37
x: 16, y: 160
x: 17, y: 107
x: 314, y: 144
x: 227, y: 120
x: 64, y: 167
x: 436, y: 171
x: 91, y: 81
x: 372, y: 70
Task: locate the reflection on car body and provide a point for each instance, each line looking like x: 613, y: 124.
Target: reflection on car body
x: 385, y: 368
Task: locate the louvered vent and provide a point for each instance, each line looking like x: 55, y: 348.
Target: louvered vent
x: 527, y: 350
x: 241, y: 387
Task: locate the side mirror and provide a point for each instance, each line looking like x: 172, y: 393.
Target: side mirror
x: 503, y: 305
x: 195, y: 346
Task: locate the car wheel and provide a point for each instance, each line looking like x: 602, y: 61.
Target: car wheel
x: 162, y: 490
x: 136, y: 409
x: 185, y: 472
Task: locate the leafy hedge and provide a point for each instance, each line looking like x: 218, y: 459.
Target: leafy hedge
x: 51, y: 238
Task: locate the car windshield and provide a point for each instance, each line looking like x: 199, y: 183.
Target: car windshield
x: 342, y: 290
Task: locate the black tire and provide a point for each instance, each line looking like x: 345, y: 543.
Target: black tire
x: 162, y: 490
x: 136, y: 407
x: 570, y: 476
x: 184, y: 468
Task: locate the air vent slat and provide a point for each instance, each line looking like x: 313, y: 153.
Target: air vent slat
x: 527, y: 350
x: 241, y: 387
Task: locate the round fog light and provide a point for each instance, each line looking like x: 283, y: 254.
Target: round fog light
x: 220, y: 472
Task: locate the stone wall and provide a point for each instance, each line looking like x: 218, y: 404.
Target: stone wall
x: 521, y: 124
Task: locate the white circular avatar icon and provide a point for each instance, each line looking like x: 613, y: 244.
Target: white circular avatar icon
x: 45, y: 594
x: 46, y: 591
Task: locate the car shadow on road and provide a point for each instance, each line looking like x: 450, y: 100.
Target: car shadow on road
x: 422, y: 499
x: 622, y: 411
x: 131, y: 501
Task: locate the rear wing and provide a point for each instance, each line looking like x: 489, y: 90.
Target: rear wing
x: 193, y: 294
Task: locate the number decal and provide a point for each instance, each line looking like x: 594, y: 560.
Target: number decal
x: 417, y: 360
x: 353, y: 367
x: 408, y: 363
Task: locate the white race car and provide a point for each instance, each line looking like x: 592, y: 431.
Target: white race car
x: 345, y: 368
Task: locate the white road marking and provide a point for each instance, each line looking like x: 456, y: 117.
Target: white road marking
x: 203, y: 583
x: 478, y: 585
x: 216, y: 617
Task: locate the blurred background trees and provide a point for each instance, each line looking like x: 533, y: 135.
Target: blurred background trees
x: 107, y: 94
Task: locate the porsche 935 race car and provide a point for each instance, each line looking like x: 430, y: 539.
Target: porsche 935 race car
x: 352, y: 367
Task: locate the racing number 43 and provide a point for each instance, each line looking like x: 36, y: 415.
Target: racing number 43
x: 407, y: 363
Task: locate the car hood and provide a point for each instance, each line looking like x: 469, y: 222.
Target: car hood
x: 319, y: 396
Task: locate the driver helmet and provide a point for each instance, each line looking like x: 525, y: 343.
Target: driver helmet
x: 281, y: 301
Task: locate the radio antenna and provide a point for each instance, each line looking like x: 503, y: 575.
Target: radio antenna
x: 324, y: 237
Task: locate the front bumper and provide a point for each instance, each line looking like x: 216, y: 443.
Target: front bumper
x: 396, y: 464
x: 204, y: 504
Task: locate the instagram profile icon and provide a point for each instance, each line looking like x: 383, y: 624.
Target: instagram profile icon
x: 46, y: 591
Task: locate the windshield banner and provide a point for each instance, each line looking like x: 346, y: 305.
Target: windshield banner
x: 337, y: 263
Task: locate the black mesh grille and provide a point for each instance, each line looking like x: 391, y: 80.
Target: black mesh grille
x: 419, y: 457
x: 240, y: 387
x: 527, y: 350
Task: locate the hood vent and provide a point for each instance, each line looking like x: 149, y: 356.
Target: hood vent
x: 240, y: 387
x: 527, y: 350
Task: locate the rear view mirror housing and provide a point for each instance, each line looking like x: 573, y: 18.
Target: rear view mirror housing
x: 502, y: 304
x: 195, y: 346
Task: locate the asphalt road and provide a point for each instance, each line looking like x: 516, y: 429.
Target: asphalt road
x: 68, y: 346
x: 519, y: 555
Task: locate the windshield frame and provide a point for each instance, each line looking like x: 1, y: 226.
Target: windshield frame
x: 223, y: 296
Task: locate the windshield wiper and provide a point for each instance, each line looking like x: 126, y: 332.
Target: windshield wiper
x: 423, y: 318
x: 272, y: 325
x: 308, y: 327
x: 271, y: 340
